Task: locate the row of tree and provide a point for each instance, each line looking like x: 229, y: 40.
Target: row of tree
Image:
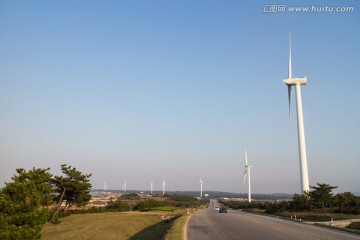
x: 139, y: 204
x: 24, y: 202
x: 319, y: 197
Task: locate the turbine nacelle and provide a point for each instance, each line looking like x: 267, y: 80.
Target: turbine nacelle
x: 295, y: 81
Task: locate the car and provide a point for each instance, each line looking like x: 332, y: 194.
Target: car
x: 223, y: 210
x: 217, y: 208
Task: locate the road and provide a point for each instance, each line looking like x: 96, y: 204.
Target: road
x: 210, y: 224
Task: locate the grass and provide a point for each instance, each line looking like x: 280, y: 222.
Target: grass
x: 120, y: 225
x: 110, y: 225
x: 177, y: 230
x: 311, y: 216
x: 155, y: 232
x: 318, y: 217
x: 354, y: 225
x: 165, y: 209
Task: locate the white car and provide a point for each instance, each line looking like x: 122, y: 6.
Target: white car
x: 217, y: 208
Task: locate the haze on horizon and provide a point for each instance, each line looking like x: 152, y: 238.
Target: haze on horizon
x: 140, y: 90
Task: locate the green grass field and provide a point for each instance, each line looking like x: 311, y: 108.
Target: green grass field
x: 110, y: 225
x: 177, y: 230
x: 121, y: 225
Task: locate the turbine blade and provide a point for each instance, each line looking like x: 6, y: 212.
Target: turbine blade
x: 245, y: 174
x: 289, y: 77
x: 246, y: 161
x: 289, y: 98
x: 290, y: 67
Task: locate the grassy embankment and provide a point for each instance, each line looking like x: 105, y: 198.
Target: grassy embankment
x: 110, y: 225
x: 119, y: 225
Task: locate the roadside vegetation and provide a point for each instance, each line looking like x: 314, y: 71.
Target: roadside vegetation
x: 109, y: 225
x: 177, y: 230
x: 36, y: 198
x: 151, y: 219
x: 318, y: 205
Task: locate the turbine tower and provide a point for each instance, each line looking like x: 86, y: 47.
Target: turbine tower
x: 124, y: 187
x: 247, y: 171
x: 163, y: 186
x: 151, y: 187
x: 201, y: 187
x: 297, y: 82
x: 105, y: 186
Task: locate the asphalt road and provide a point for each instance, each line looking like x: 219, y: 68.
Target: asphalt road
x: 210, y: 224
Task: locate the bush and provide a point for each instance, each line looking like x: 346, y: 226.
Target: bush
x: 354, y: 225
x: 81, y: 211
x: 148, y: 205
x: 355, y: 211
x: 183, y: 201
x: 118, y: 206
x: 271, y: 211
x: 130, y: 196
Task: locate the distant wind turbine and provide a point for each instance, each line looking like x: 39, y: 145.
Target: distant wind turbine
x: 297, y: 82
x: 105, y: 186
x: 163, y: 186
x: 201, y: 187
x: 151, y: 187
x: 247, y: 171
x: 124, y: 187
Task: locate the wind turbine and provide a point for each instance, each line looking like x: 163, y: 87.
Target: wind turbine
x: 124, y: 187
x: 297, y: 82
x: 151, y: 187
x: 105, y: 186
x: 163, y: 186
x: 201, y: 187
x: 247, y: 171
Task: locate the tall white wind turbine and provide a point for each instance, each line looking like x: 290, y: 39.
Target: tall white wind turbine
x: 124, y: 187
x: 105, y: 186
x: 151, y: 187
x: 247, y: 171
x: 163, y: 186
x: 201, y: 187
x: 297, y: 82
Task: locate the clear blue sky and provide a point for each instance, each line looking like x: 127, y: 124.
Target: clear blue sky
x: 140, y: 90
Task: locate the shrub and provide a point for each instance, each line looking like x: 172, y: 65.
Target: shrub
x: 118, y: 206
x: 354, y: 225
x: 148, y: 205
x: 355, y: 211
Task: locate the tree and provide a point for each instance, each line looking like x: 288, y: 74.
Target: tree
x: 344, y: 198
x: 322, y: 194
x: 42, y: 180
x: 73, y: 188
x: 301, y: 202
x: 21, y: 214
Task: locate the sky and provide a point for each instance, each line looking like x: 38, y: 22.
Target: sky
x: 138, y: 91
